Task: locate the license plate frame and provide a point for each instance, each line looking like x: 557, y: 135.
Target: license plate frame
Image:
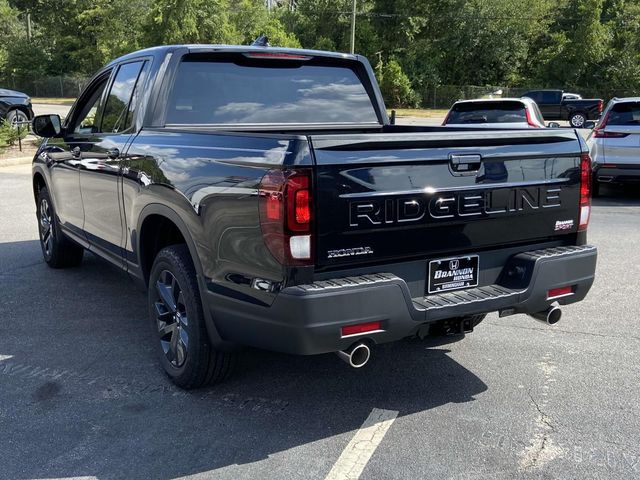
x: 448, y: 281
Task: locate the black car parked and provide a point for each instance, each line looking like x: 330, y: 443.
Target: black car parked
x: 555, y: 106
x: 15, y: 106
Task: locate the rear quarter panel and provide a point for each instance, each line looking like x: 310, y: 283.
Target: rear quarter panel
x: 211, y: 181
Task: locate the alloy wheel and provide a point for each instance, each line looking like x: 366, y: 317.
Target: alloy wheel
x: 577, y: 120
x: 18, y: 118
x: 171, y: 319
x: 46, y: 227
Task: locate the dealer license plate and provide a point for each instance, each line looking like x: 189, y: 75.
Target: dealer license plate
x: 453, y: 273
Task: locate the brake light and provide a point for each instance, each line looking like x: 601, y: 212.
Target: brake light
x: 599, y: 131
x: 559, y: 292
x: 286, y: 215
x: 585, y: 191
x: 530, y: 119
x: 277, y: 56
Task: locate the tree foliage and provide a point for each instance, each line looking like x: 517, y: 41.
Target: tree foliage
x: 589, y: 44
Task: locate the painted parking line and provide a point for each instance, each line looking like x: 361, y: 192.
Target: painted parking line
x: 360, y: 449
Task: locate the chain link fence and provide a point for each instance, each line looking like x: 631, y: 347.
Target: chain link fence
x: 46, y: 86
x: 443, y: 96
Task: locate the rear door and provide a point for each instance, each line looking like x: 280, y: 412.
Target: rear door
x: 385, y: 197
x: 622, y: 129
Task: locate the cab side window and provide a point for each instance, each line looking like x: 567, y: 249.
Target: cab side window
x: 119, y: 108
x: 88, y: 120
x: 549, y: 98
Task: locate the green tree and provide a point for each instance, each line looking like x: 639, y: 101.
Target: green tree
x: 251, y: 19
x: 190, y: 21
x: 395, y: 85
x: 9, y: 26
x: 576, y: 45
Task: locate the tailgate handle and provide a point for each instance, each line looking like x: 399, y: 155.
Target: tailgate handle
x: 465, y: 164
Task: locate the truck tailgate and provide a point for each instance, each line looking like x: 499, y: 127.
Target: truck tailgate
x: 396, y: 196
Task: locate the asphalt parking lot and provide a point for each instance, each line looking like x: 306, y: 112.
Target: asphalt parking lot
x: 81, y: 393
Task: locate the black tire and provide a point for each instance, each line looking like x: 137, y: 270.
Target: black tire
x: 449, y: 326
x: 58, y: 251
x: 180, y: 333
x: 595, y: 188
x: 577, y: 119
x: 15, y: 116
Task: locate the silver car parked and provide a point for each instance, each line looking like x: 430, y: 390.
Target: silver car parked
x: 614, y: 144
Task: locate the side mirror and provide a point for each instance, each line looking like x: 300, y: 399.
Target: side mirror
x: 589, y: 124
x: 553, y: 125
x: 47, y: 126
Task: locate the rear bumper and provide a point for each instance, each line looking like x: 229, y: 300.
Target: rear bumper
x: 307, y: 319
x: 618, y: 173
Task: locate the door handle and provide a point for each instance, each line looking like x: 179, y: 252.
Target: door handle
x: 462, y: 165
x: 113, y: 154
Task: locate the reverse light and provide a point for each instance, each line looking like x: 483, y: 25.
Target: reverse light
x: 361, y: 328
x: 585, y: 191
x: 300, y: 247
x: 286, y: 215
x: 559, y: 292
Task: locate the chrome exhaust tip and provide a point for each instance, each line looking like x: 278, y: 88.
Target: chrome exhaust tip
x: 356, y: 356
x: 550, y: 316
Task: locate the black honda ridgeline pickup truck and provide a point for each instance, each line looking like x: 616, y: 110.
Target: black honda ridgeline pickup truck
x: 264, y: 198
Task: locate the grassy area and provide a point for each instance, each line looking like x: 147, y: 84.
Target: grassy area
x: 420, y: 112
x: 53, y: 101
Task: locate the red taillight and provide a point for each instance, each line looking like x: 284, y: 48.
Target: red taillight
x: 360, y: 328
x: 585, y: 191
x: 303, y: 207
x: 286, y: 215
x: 298, y: 202
x: 559, y: 292
x: 530, y: 119
x: 599, y: 131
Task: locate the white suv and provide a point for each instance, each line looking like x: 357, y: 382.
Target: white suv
x: 614, y: 143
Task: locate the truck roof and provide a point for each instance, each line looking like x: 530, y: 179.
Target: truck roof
x: 162, y: 50
x: 625, y: 99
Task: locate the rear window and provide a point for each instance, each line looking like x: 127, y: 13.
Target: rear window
x: 214, y: 91
x: 624, y: 114
x: 487, y: 112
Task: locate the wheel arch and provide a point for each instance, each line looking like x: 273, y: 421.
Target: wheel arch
x: 22, y: 108
x: 156, y: 216
x: 38, y: 184
x: 161, y: 213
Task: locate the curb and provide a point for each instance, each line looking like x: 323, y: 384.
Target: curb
x: 8, y: 162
